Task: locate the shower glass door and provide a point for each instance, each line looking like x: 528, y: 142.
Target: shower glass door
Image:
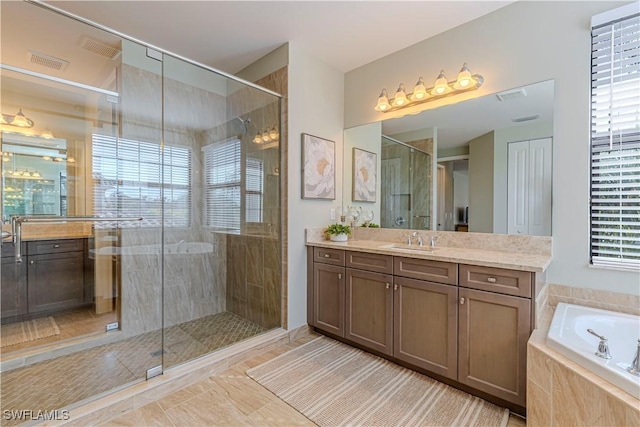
x: 81, y: 292
x: 221, y: 265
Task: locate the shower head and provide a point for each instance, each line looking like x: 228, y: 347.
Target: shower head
x: 239, y: 126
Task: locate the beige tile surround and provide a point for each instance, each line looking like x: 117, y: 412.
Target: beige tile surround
x: 563, y: 393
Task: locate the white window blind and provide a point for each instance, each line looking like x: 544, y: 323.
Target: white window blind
x: 224, y: 186
x: 615, y: 142
x: 136, y: 179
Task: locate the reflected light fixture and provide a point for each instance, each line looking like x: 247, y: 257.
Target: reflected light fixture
x: 266, y: 135
x: 441, y: 88
x: 46, y: 134
x: 19, y: 120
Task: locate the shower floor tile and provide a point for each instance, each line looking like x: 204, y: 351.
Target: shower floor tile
x: 59, y: 382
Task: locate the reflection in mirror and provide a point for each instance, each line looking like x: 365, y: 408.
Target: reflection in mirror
x: 490, y: 169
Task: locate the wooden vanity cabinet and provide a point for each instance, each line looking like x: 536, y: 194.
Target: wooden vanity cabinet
x: 327, y: 285
x: 369, y: 310
x: 495, y: 323
x: 463, y: 322
x: 13, y: 285
x: 426, y: 325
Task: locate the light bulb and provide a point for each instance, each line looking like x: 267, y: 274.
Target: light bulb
x: 71, y: 160
x: 419, y: 91
x: 401, y: 97
x: 265, y: 136
x: 383, y: 101
x: 440, y: 85
x: 273, y: 134
x: 21, y: 120
x: 257, y: 139
x: 464, y: 78
x: 46, y: 158
x: 46, y: 134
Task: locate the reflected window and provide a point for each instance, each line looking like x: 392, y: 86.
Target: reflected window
x: 135, y: 178
x: 223, y: 181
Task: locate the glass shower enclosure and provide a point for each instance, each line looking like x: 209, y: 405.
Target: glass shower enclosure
x: 406, y: 174
x: 141, y: 222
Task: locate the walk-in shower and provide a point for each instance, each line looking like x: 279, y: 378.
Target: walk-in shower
x: 142, y: 219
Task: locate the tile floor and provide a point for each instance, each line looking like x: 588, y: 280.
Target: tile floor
x: 229, y: 398
x: 59, y: 382
x: 75, y: 324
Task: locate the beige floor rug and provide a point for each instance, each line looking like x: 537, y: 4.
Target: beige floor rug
x: 333, y: 384
x: 30, y: 330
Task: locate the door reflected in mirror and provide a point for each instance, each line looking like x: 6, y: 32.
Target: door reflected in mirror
x: 482, y: 165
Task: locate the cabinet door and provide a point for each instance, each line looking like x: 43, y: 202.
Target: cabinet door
x: 55, y: 281
x: 493, y: 334
x: 369, y: 310
x: 328, y: 298
x: 13, y: 289
x: 426, y: 325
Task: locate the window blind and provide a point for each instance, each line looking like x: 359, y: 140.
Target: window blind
x: 222, y: 180
x: 136, y: 178
x: 224, y: 192
x: 615, y: 143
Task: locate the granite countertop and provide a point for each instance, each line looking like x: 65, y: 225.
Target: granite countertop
x: 488, y: 258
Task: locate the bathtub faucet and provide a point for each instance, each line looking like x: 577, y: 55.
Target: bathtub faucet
x: 634, y: 369
x: 603, y: 346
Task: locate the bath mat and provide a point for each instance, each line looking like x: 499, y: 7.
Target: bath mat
x: 334, y: 384
x: 30, y: 330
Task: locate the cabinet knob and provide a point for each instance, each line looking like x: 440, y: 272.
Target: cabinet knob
x: 395, y: 287
x: 492, y: 279
x: 56, y: 246
x: 462, y: 301
x: 327, y: 256
x: 339, y: 275
x: 32, y: 262
x: 388, y: 285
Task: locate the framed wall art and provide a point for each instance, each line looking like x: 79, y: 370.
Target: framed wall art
x: 364, y: 175
x: 318, y: 168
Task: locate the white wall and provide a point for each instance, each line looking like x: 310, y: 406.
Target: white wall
x: 522, y: 43
x: 367, y: 138
x: 316, y: 99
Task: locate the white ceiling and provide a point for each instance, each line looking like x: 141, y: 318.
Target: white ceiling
x: 229, y: 35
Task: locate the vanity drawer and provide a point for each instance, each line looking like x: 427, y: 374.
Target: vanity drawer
x: 433, y: 271
x: 40, y: 247
x: 328, y: 256
x: 500, y: 280
x: 370, y: 262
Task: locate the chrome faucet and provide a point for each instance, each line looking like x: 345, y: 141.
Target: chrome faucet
x: 416, y: 234
x: 432, y: 241
x: 634, y: 369
x: 603, y: 346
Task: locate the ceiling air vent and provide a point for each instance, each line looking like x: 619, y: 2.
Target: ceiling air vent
x: 47, y: 60
x: 508, y: 95
x: 100, y: 48
x: 526, y: 118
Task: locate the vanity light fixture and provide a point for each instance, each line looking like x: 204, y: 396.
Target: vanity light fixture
x: 19, y: 120
x: 266, y: 135
x: 441, y: 88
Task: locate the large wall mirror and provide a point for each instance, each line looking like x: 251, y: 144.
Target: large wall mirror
x: 482, y: 165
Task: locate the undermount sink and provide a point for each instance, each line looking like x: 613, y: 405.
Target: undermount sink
x: 411, y: 247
